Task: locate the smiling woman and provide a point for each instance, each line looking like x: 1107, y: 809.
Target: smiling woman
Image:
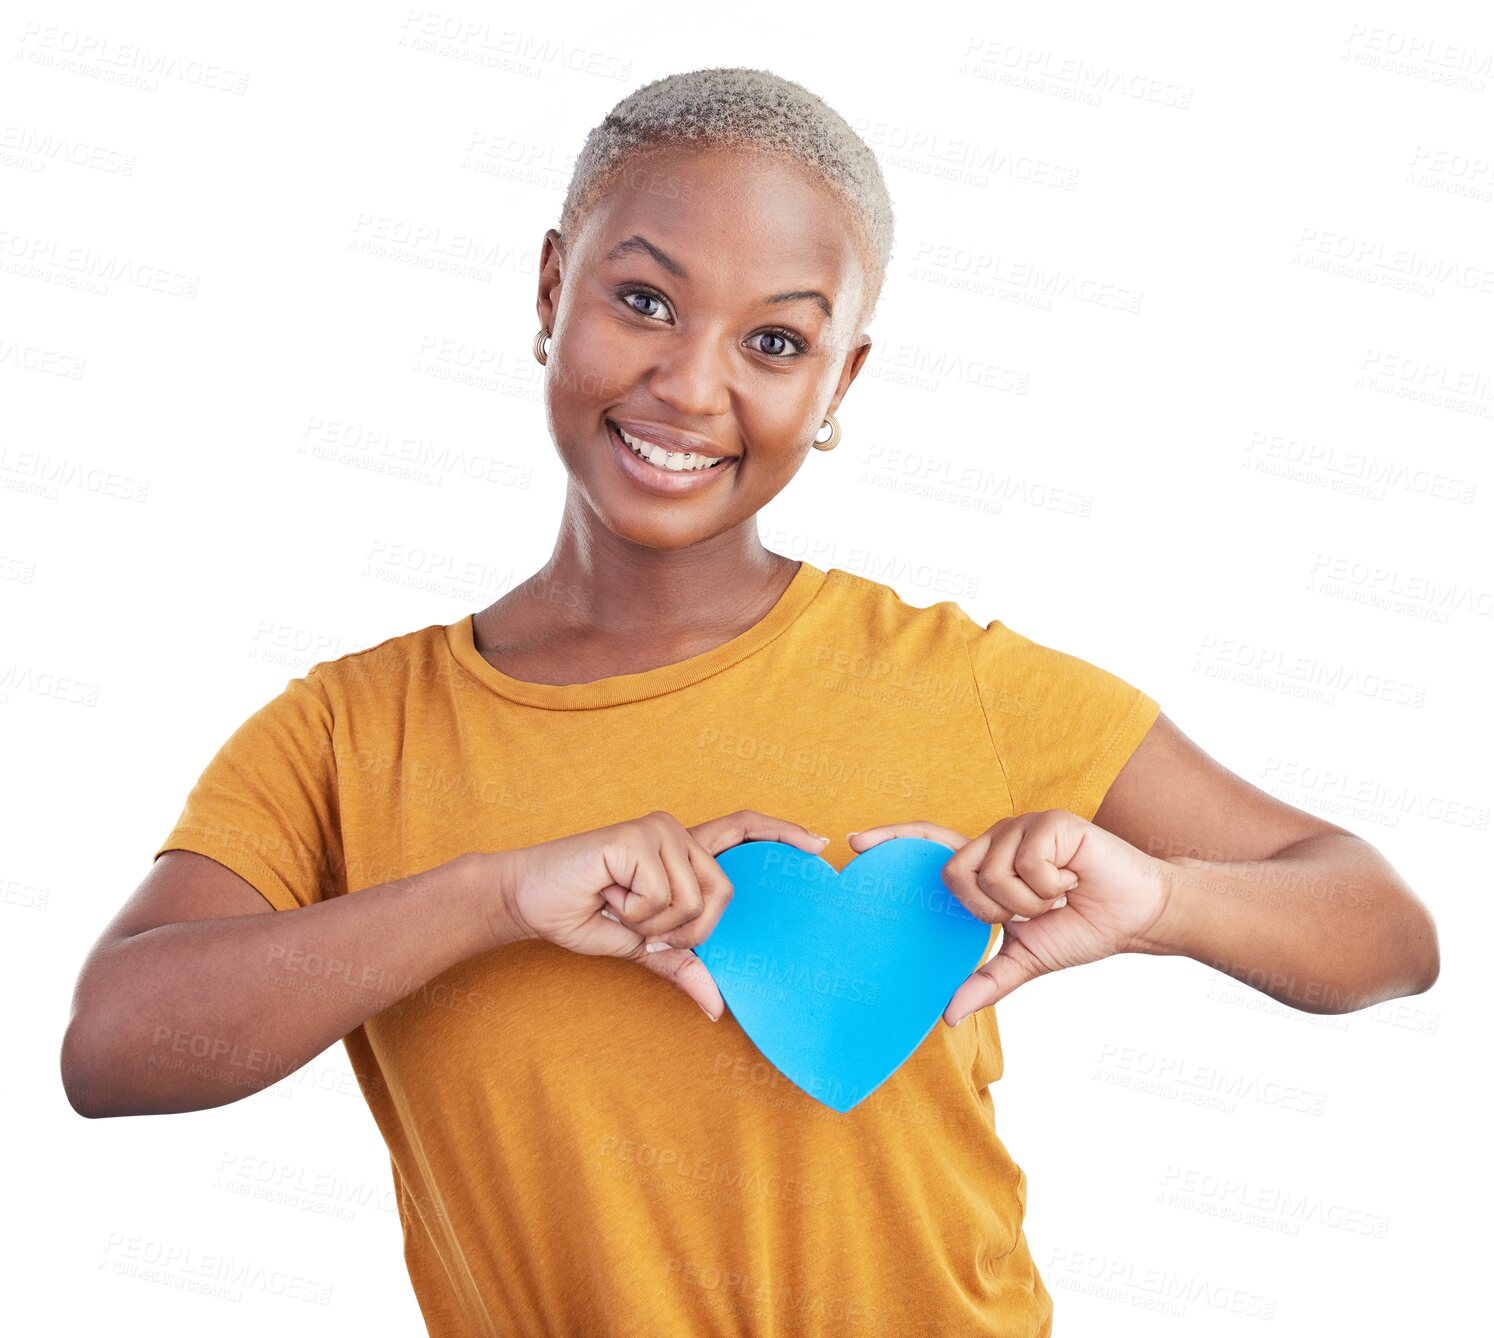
x: 721, y: 248
x: 699, y: 370
x: 477, y: 833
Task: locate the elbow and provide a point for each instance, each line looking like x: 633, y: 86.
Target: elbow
x: 1418, y: 959
x: 1409, y: 958
x: 1433, y: 964
x: 78, y: 1084
x: 1428, y: 955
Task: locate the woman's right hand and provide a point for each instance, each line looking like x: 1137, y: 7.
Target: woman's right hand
x: 609, y: 892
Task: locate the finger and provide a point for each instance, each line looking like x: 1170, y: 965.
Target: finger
x: 930, y: 831
x: 641, y: 884
x: 747, y: 824
x: 976, y: 991
x: 616, y: 897
x: 993, y: 980
x: 1016, y: 886
x: 716, y: 893
x: 683, y: 969
x: 996, y: 874
x: 1036, y: 864
x: 611, y: 937
x: 685, y: 900
x: 960, y: 874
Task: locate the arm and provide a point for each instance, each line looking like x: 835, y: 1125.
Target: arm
x: 1291, y: 905
x: 199, y: 993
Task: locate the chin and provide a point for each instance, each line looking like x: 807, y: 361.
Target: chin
x: 665, y: 538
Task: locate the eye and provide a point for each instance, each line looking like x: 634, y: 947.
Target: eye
x: 628, y: 294
x: 787, y: 336
x: 798, y: 343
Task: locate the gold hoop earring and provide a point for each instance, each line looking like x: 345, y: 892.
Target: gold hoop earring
x: 830, y: 442
x: 541, y: 355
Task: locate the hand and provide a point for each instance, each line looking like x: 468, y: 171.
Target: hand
x: 648, y: 889
x: 1064, y: 891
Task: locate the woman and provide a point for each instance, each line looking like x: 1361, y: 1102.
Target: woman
x: 482, y: 830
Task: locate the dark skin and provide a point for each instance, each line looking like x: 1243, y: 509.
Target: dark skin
x: 636, y: 581
x: 1183, y: 856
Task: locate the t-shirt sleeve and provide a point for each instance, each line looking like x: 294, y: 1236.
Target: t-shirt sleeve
x: 266, y: 806
x: 1062, y: 728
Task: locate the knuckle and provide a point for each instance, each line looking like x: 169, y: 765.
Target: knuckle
x: 1029, y: 863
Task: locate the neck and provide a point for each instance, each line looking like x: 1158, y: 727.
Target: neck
x: 620, y: 589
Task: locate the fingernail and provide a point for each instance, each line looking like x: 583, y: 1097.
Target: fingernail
x: 655, y: 945
x: 849, y: 835
x: 1062, y: 901
x: 1018, y: 917
x: 709, y: 1014
x: 818, y: 837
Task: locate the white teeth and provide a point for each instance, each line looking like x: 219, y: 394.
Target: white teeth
x: 672, y: 460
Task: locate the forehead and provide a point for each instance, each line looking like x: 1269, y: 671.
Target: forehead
x: 731, y: 217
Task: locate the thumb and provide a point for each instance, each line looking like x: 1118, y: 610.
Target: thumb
x: 685, y: 971
x: 679, y: 966
x: 608, y: 936
x: 1011, y: 965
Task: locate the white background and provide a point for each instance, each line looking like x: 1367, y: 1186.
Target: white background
x: 1254, y: 494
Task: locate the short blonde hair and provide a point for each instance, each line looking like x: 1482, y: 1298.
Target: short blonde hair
x: 741, y: 108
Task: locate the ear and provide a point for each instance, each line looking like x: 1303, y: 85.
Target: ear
x: 853, y: 364
x: 551, y: 265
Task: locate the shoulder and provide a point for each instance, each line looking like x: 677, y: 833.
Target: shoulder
x: 1010, y: 672
x: 884, y: 613
x: 394, y: 666
x: 990, y: 646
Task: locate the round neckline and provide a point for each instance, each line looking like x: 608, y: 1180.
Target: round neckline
x: 796, y: 595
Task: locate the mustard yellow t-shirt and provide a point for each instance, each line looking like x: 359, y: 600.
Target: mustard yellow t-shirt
x: 577, y: 1149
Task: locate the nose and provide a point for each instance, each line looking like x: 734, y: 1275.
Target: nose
x: 693, y: 376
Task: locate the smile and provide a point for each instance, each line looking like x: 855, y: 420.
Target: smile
x: 667, y: 459
x: 661, y: 471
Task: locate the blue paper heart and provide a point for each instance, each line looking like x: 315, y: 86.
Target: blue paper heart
x: 837, y: 977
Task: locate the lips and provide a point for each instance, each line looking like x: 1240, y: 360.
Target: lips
x: 660, y: 480
x: 670, y: 439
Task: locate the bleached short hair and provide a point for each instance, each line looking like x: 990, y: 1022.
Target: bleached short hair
x: 742, y: 108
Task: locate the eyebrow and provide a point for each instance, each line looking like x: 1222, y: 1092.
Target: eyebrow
x: 637, y: 243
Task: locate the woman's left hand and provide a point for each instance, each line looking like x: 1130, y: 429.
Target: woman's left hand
x: 1065, y: 891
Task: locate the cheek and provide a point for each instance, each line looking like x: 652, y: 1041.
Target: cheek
x: 778, y: 422
x: 597, y: 362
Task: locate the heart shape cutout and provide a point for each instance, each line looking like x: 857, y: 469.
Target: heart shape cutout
x: 838, y: 976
